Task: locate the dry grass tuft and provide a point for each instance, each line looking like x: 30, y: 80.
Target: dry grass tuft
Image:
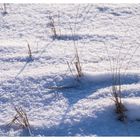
x: 20, y: 120
x: 52, y: 26
x: 116, y: 92
x: 78, y: 65
x: 119, y: 107
x: 77, y: 69
x: 4, y: 9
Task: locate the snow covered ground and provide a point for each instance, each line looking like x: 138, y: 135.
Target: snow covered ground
x: 102, y: 34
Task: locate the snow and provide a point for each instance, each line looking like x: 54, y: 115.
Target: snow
x: 56, y: 103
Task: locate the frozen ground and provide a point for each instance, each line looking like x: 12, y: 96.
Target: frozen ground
x: 102, y: 32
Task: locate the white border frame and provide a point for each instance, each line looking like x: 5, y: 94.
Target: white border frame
x: 70, y: 1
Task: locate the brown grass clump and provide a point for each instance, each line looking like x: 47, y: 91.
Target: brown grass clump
x: 20, y: 120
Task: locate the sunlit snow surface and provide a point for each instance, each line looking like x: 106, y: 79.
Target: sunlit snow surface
x: 102, y: 32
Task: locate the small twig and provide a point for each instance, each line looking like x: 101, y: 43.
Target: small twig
x: 29, y: 50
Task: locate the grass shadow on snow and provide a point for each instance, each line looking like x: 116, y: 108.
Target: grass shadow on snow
x: 95, y: 37
x: 103, y: 123
x: 87, y: 85
x: 14, y: 131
